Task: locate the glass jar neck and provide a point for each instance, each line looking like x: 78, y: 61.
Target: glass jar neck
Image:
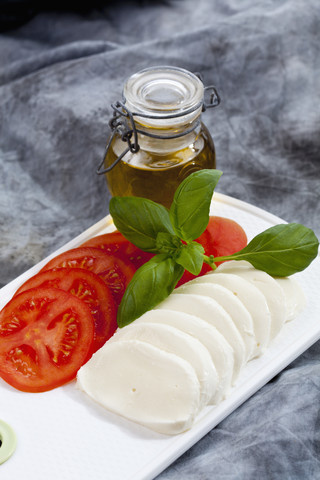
x: 169, y: 138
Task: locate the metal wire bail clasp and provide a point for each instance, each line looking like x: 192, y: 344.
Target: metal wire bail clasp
x: 123, y: 124
x: 214, y: 99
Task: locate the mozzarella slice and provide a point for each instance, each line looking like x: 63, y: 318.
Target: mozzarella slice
x: 254, y: 301
x: 144, y: 384
x: 294, y: 296
x: 267, y: 285
x: 175, y: 341
x: 210, y: 311
x: 232, y: 305
x: 217, y: 346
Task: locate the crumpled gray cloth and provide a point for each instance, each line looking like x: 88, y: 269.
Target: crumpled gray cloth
x: 59, y: 73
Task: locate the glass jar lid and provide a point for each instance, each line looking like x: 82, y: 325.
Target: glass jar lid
x: 164, y: 93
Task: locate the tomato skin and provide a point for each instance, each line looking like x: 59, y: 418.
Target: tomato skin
x: 222, y: 236
x: 116, y: 243
x: 114, y: 271
x: 46, y: 335
x: 225, y: 237
x: 88, y: 287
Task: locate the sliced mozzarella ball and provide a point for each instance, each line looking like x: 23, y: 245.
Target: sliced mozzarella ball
x: 294, y: 296
x: 175, y: 341
x: 251, y: 297
x: 210, y: 311
x: 267, y: 285
x: 232, y: 305
x: 144, y: 384
x: 217, y: 346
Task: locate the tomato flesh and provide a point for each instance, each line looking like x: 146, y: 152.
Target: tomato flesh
x: 88, y: 287
x: 114, y: 271
x: 222, y: 236
x: 115, y: 243
x: 46, y: 335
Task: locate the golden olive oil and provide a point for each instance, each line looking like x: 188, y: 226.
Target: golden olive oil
x: 156, y: 175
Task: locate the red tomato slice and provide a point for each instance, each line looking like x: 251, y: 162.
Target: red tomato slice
x: 114, y: 271
x: 116, y: 243
x: 222, y: 236
x: 90, y: 288
x: 46, y: 335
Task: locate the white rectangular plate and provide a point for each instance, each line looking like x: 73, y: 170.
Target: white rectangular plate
x: 62, y: 434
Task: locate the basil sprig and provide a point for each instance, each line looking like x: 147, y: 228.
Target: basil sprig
x: 281, y: 250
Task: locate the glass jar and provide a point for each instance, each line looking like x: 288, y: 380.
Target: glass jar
x: 158, y: 137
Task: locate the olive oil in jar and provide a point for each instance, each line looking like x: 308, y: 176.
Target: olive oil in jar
x: 156, y: 176
x: 160, y: 120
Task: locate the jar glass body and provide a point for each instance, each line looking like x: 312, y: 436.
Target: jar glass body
x: 179, y: 145
x: 157, y: 175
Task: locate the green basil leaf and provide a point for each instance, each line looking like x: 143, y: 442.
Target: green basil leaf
x: 152, y: 283
x: 191, y: 257
x: 281, y: 250
x: 140, y: 220
x: 189, y: 212
x: 167, y: 243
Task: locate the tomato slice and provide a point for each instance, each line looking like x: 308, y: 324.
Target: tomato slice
x: 114, y: 271
x: 116, y: 243
x: 90, y: 288
x: 46, y: 335
x: 222, y: 236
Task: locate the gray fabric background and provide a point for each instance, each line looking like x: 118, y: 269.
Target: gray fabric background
x: 60, y: 71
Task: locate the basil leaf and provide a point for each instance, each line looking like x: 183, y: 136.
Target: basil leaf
x: 189, y: 212
x: 281, y: 250
x: 152, y: 283
x: 140, y: 220
x: 167, y: 243
x: 191, y: 257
